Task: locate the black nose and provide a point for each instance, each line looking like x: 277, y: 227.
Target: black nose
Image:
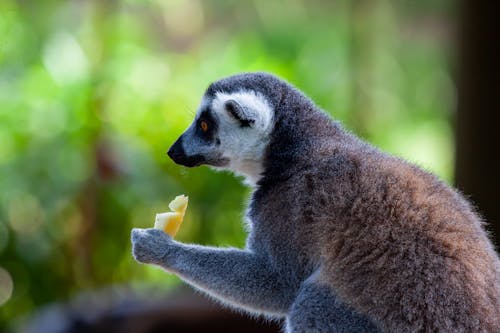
x: 176, y: 152
x: 179, y: 156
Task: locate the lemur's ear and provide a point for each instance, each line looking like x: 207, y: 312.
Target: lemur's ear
x: 238, y: 112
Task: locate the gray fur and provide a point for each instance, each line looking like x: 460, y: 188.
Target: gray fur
x: 343, y: 237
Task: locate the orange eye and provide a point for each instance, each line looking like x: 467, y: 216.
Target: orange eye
x: 204, y: 126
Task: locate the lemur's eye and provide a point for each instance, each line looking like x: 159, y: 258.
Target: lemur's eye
x: 204, y: 125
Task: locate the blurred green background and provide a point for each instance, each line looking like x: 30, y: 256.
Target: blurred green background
x: 92, y: 94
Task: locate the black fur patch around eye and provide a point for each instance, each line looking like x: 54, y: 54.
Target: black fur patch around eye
x: 209, y: 134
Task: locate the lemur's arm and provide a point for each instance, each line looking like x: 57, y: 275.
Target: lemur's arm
x: 240, y: 277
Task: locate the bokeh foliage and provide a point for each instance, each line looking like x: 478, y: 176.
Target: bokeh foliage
x: 92, y: 93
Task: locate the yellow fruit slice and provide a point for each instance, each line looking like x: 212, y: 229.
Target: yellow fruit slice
x: 170, y: 222
x: 179, y: 204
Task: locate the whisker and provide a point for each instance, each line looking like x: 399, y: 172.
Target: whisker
x: 190, y: 110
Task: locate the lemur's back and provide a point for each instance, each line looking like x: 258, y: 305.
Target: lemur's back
x: 394, y: 242
x: 401, y: 246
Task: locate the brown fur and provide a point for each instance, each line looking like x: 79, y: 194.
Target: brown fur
x: 394, y: 242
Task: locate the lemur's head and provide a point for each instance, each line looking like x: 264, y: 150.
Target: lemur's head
x: 232, y: 127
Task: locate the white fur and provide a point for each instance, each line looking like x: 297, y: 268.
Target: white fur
x: 244, y: 147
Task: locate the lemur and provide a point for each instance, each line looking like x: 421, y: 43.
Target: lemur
x: 341, y: 236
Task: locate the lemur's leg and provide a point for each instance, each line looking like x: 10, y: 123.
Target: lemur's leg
x: 317, y: 309
x: 240, y: 278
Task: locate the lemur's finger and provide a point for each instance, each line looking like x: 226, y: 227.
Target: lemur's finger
x: 154, y: 232
x: 135, y: 234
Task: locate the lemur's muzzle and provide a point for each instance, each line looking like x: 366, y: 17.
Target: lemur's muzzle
x: 179, y: 156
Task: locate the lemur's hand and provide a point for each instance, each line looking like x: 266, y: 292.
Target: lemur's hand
x: 151, y: 246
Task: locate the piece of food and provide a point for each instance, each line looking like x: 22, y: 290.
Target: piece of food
x: 171, y: 221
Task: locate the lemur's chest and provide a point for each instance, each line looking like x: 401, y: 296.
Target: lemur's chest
x: 278, y: 232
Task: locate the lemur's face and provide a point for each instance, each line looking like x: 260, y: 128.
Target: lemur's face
x: 230, y: 131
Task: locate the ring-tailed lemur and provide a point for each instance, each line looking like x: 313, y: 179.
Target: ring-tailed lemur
x: 342, y: 237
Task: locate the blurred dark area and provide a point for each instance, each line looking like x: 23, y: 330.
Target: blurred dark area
x: 181, y: 311
x: 92, y: 93
x: 478, y: 110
